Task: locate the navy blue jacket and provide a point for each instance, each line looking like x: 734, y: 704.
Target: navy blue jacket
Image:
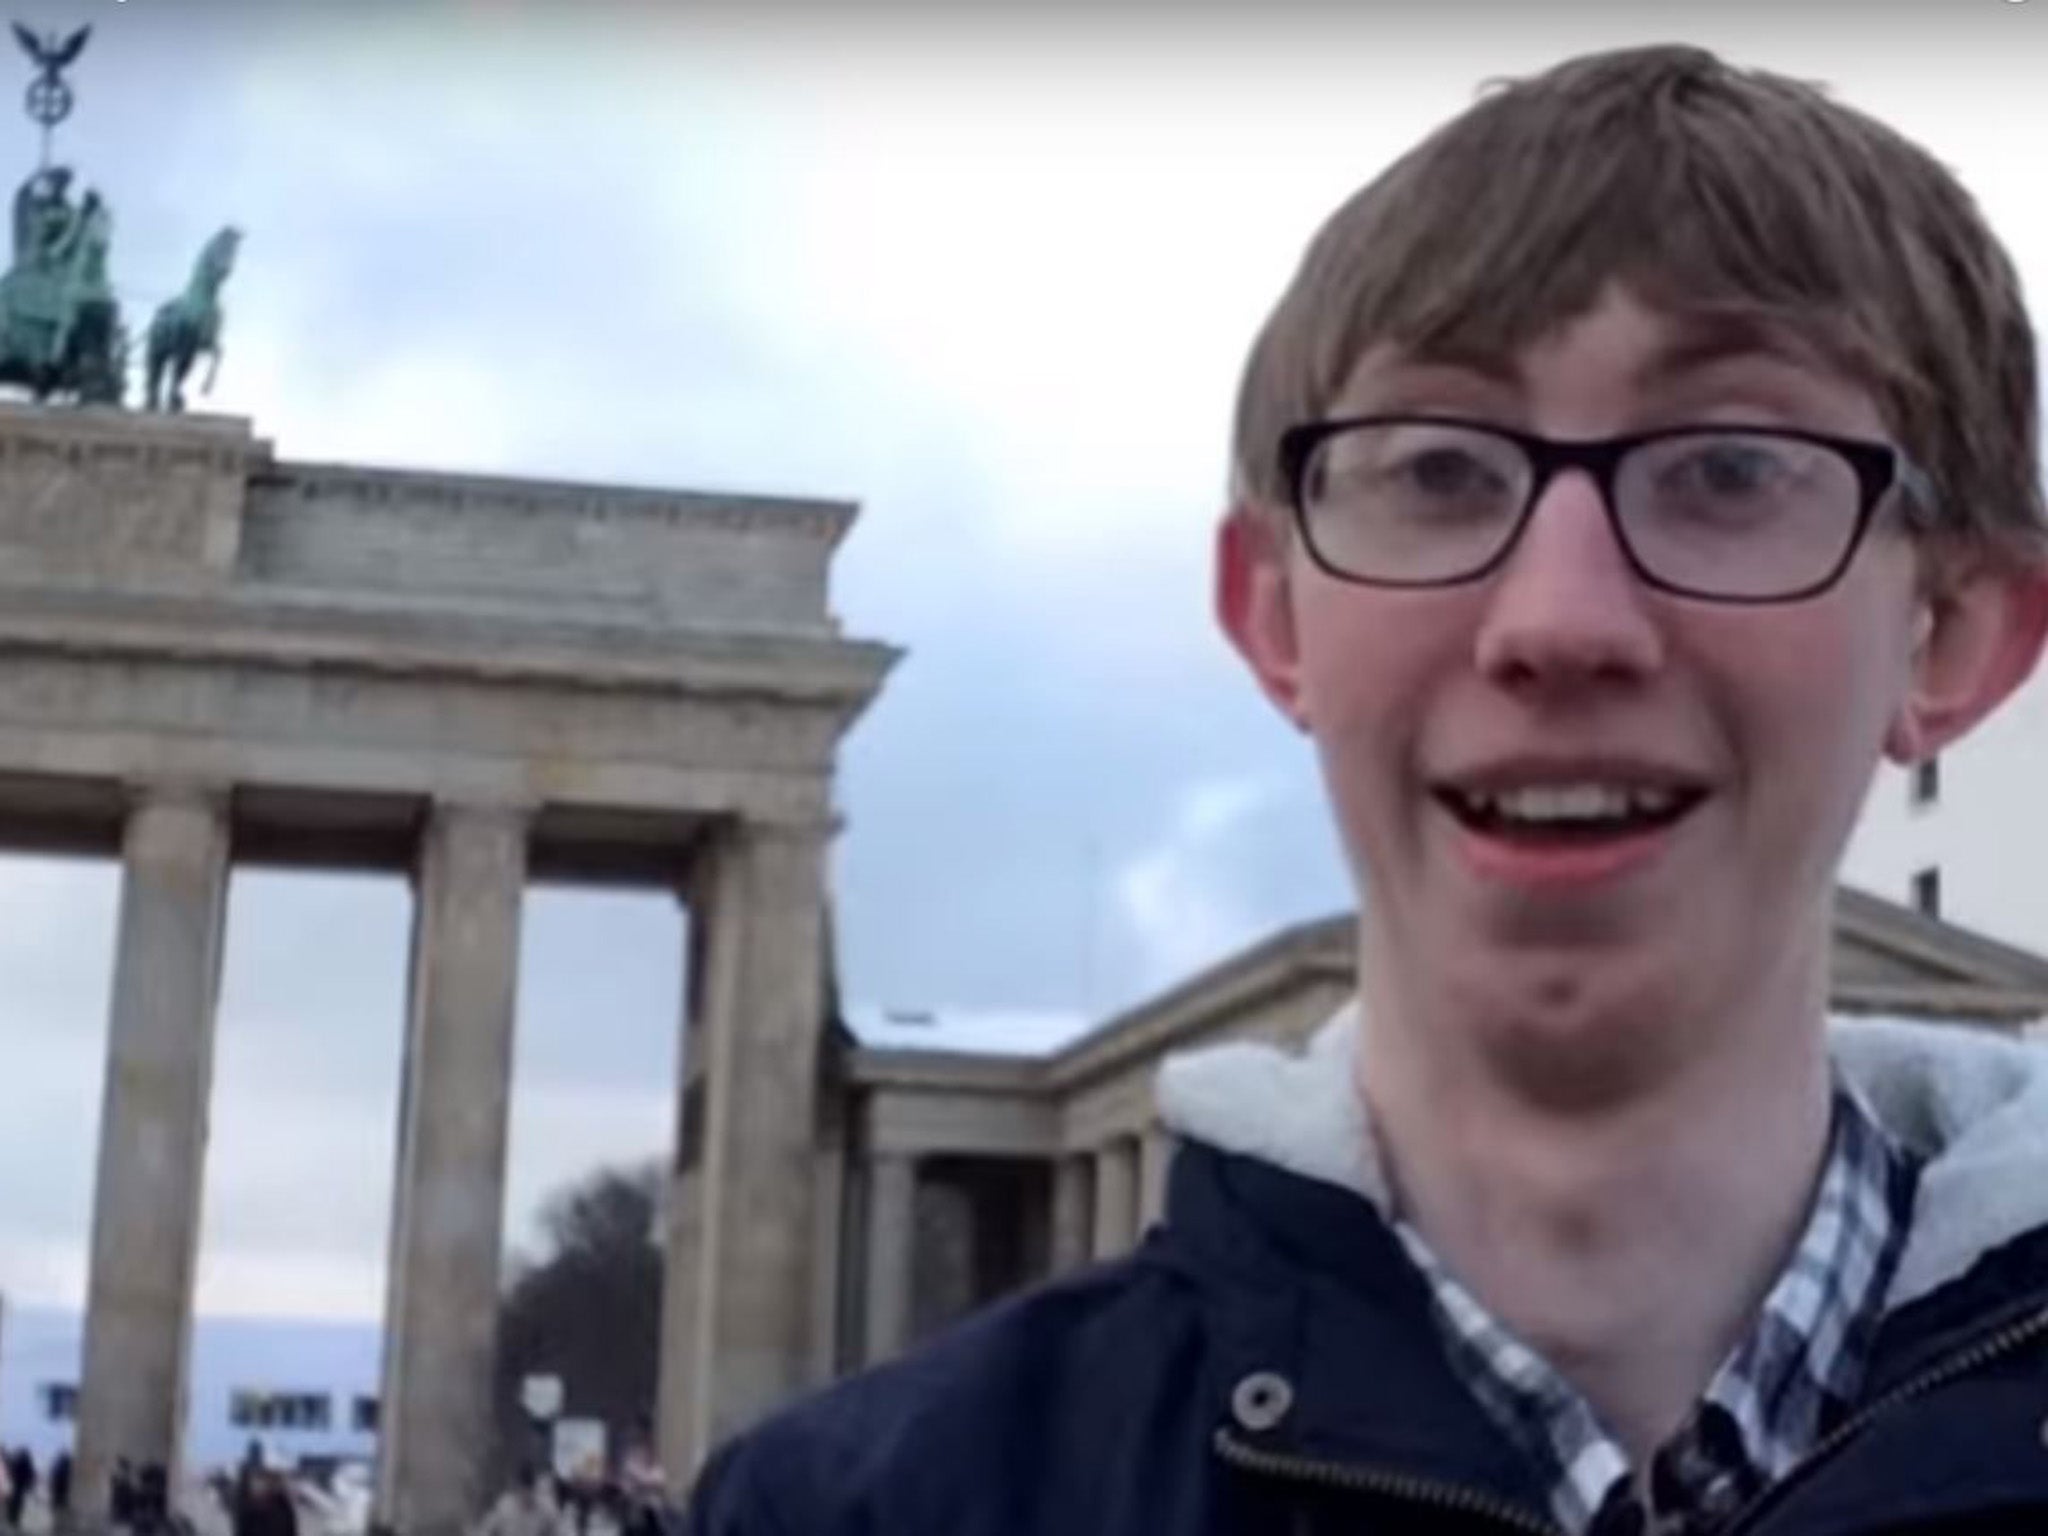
x: 1266, y: 1364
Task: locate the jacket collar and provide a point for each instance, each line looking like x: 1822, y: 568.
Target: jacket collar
x: 1973, y: 1106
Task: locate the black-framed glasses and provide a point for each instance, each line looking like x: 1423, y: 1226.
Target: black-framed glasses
x: 1736, y: 514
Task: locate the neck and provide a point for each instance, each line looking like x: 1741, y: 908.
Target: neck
x: 1581, y: 1224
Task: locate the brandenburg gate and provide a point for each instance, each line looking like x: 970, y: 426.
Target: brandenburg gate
x: 212, y: 656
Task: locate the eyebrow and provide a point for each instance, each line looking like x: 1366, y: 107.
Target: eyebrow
x: 1693, y: 342
x: 1460, y: 357
x: 1697, y: 342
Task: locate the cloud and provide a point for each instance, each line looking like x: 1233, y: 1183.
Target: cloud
x: 1237, y: 858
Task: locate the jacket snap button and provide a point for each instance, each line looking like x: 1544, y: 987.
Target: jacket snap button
x: 2044, y: 1434
x: 1261, y: 1401
x: 1719, y: 1498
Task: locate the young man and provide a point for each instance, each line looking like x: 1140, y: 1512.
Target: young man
x: 1628, y: 470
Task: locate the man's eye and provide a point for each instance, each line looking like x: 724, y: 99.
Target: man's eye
x: 1447, y: 472
x: 1730, y: 470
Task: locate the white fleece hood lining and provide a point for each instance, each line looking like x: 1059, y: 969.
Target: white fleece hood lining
x: 1972, y: 1104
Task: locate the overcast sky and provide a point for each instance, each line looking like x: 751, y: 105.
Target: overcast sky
x: 991, y: 280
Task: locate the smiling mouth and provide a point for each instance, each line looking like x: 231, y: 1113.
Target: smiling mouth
x: 1569, y: 813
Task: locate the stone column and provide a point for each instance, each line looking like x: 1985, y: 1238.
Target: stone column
x: 891, y: 1245
x: 1155, y: 1161
x: 1116, y: 1197
x: 153, y: 1125
x: 828, y: 1243
x: 738, y: 1313
x: 676, y: 1373
x: 441, y: 1309
x: 1073, y: 1215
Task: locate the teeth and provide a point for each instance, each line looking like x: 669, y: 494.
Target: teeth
x: 1574, y: 802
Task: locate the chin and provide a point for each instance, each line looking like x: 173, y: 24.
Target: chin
x: 1576, y: 1033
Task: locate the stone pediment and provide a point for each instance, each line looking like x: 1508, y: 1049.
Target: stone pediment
x: 1890, y: 958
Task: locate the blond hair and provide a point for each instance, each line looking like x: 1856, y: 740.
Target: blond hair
x: 1706, y: 189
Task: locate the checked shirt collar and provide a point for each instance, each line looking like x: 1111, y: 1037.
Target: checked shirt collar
x: 1770, y: 1401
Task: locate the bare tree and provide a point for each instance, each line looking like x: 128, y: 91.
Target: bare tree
x: 588, y: 1310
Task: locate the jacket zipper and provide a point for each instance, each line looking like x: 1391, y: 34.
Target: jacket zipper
x: 1963, y: 1362
x: 1474, y: 1501
x: 1358, y: 1479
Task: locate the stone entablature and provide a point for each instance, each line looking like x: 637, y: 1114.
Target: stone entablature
x: 175, y: 601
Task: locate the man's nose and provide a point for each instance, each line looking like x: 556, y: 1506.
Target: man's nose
x: 1567, y: 608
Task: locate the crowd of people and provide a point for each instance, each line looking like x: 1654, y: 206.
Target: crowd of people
x: 257, y: 1498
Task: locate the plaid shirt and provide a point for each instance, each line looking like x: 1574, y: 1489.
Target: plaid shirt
x: 1768, y: 1403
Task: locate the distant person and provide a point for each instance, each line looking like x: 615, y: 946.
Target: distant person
x: 264, y: 1506
x: 154, y: 1512
x: 121, y: 1495
x: 21, y: 1483
x: 1628, y: 470
x: 640, y: 1471
x: 610, y: 1513
x: 248, y: 1472
x: 588, y: 1479
x: 553, y: 1492
x: 211, y: 1508
x: 574, y: 1494
x: 520, y: 1510
x: 60, y: 1489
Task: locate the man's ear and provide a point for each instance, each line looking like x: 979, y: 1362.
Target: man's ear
x: 1255, y: 604
x: 1977, y: 638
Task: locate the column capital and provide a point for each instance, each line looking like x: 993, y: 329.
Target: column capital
x: 733, y: 837
x: 454, y: 824
x: 199, y: 794
x: 785, y: 831
x: 488, y: 805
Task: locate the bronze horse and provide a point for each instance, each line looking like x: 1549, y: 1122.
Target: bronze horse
x: 188, y: 325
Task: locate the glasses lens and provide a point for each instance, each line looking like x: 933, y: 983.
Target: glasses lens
x: 1412, y: 501
x: 1738, y: 514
